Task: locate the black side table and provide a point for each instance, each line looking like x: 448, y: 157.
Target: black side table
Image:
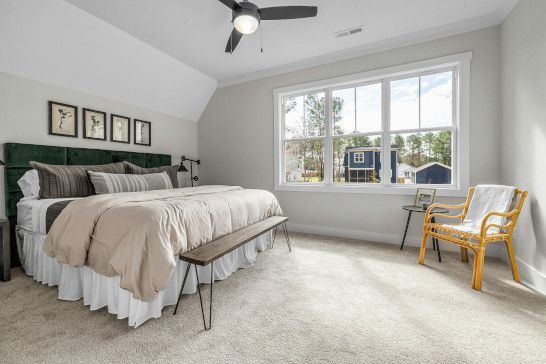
x: 5, y: 258
x: 411, y: 209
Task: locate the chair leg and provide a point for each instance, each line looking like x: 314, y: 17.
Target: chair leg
x: 512, y: 258
x: 464, y: 254
x: 423, y: 250
x: 474, y: 268
x: 478, y: 267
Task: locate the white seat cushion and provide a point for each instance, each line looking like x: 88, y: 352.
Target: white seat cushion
x: 467, y: 228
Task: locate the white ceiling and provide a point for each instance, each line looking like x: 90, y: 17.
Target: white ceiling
x: 195, y: 31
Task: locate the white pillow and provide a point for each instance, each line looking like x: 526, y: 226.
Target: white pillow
x: 30, y: 184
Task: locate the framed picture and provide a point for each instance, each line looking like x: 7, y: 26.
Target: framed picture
x: 63, y: 119
x: 424, y: 197
x: 120, y: 129
x: 94, y: 124
x: 143, y: 132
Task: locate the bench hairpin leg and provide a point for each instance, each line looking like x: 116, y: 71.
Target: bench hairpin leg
x: 181, y: 289
x: 287, y: 237
x: 274, y: 236
x: 201, y: 298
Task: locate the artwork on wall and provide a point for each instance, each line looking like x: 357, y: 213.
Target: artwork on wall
x: 143, y: 132
x: 94, y: 124
x: 63, y: 119
x: 120, y: 127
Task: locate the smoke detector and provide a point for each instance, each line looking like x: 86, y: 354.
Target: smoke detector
x: 350, y: 31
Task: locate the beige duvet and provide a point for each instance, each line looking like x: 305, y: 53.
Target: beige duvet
x: 138, y: 235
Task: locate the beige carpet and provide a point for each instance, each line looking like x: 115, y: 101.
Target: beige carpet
x: 330, y: 300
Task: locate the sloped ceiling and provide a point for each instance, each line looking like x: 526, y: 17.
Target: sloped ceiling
x: 54, y: 42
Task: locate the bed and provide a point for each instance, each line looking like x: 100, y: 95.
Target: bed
x: 76, y: 282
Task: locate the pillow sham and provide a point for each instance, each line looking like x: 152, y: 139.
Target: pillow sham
x: 30, y: 184
x: 131, y: 168
x: 113, y: 183
x: 60, y: 181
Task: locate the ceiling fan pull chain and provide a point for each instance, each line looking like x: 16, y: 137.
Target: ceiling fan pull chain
x: 262, y: 39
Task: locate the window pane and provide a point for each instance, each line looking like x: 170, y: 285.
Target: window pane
x: 304, y: 116
x: 314, y: 115
x: 437, y: 100
x: 357, y: 159
x: 304, y: 161
x: 293, y: 117
x: 423, y: 157
x: 343, y: 111
x: 368, y: 108
x: 405, y: 104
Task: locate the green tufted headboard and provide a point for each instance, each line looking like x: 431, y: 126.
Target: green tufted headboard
x: 17, y: 157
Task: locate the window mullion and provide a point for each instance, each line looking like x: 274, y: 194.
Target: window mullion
x: 328, y: 140
x: 385, y: 134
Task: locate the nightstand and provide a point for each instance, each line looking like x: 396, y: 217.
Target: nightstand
x: 5, y: 258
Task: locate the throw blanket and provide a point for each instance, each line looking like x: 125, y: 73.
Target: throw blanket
x: 138, y: 235
x: 487, y: 198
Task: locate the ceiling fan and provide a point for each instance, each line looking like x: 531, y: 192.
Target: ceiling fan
x: 246, y: 17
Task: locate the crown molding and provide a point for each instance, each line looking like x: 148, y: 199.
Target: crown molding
x: 465, y: 26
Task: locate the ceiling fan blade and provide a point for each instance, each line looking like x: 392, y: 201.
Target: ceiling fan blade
x: 288, y: 12
x: 233, y: 40
x: 232, y: 4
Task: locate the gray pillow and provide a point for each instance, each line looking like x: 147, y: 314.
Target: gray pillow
x: 131, y: 168
x: 113, y: 183
x: 60, y: 181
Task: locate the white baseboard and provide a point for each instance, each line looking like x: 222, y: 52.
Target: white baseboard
x: 529, y: 275
x: 392, y: 239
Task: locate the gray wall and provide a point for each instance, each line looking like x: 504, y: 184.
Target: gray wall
x: 524, y: 129
x: 24, y: 119
x: 236, y: 139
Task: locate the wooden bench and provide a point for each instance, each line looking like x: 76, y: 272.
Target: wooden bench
x: 206, y: 254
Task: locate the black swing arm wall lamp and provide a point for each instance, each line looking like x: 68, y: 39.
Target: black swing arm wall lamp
x: 182, y: 168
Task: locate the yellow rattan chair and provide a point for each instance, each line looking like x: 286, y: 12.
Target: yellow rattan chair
x: 476, y: 241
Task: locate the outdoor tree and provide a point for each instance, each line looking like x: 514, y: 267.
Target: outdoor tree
x: 428, y: 139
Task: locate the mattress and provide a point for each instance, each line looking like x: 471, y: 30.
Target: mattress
x: 31, y: 213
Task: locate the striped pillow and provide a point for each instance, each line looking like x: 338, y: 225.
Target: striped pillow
x: 61, y: 181
x: 131, y: 168
x: 113, y: 183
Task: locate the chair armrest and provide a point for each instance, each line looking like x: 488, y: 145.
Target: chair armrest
x: 485, y: 226
x: 429, y: 214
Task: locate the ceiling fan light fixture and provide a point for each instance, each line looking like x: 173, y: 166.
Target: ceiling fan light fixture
x: 246, y: 24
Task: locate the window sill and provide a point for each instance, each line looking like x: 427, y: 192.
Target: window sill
x: 441, y: 190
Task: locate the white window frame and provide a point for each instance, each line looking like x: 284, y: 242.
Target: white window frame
x: 360, y: 159
x: 460, y: 63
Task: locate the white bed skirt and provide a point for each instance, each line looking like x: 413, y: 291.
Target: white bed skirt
x: 99, y: 291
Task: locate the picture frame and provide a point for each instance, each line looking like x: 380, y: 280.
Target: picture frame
x: 424, y: 197
x: 94, y: 124
x: 120, y: 129
x: 63, y: 119
x: 142, y: 132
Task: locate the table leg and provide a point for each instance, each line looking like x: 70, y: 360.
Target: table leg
x: 435, y: 242
x: 406, y: 230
